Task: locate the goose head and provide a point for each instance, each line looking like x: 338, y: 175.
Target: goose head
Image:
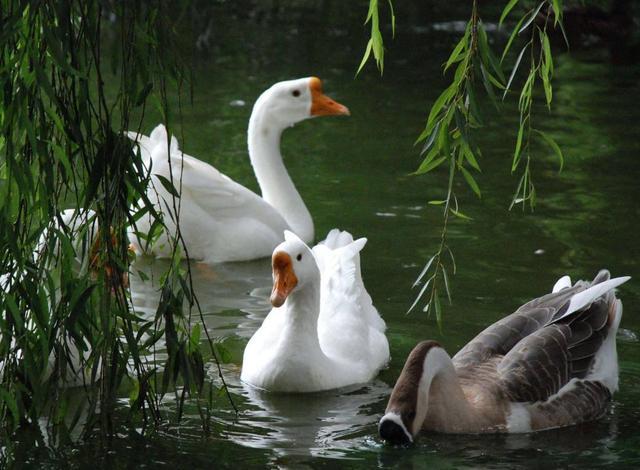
x: 294, y: 268
x: 407, y: 407
x: 289, y: 102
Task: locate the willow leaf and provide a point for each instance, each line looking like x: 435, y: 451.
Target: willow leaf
x: 515, y: 69
x: 531, y: 18
x: 507, y: 10
x: 366, y: 55
x: 424, y: 271
x: 554, y: 146
x: 471, y: 181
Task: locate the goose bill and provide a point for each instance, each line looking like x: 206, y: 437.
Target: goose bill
x: 284, y: 279
x: 321, y: 104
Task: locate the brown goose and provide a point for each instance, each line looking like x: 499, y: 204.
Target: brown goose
x: 552, y: 363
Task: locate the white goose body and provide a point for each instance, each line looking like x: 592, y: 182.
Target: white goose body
x: 221, y: 220
x: 82, y: 227
x: 550, y: 364
x: 324, y: 332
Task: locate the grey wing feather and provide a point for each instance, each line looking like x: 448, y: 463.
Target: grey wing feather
x: 537, y: 349
x: 500, y: 337
x: 540, y: 364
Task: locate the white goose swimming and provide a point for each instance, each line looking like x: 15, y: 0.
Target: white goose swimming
x: 323, y: 332
x: 221, y: 220
x: 552, y: 363
x: 81, y: 226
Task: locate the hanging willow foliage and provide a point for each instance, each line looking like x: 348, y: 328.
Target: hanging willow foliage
x: 64, y: 292
x: 448, y: 137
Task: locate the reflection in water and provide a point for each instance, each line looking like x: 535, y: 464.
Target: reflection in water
x: 327, y: 424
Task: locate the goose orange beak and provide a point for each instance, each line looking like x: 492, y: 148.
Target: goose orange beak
x: 321, y: 104
x: 284, y: 279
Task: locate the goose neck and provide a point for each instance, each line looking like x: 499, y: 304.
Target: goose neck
x: 442, y: 404
x: 264, y: 136
x: 303, y: 309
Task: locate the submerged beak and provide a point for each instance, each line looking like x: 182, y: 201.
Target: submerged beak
x: 321, y: 104
x: 284, y: 279
x: 392, y: 430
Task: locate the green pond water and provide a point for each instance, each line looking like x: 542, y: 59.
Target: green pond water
x: 353, y: 173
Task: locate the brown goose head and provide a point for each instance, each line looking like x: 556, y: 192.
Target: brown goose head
x: 407, y: 407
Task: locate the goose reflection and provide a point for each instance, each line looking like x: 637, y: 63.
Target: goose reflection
x: 328, y: 424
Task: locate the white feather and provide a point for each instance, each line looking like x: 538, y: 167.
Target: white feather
x: 562, y: 283
x: 605, y: 365
x: 518, y: 419
x: 342, y: 341
x: 587, y: 296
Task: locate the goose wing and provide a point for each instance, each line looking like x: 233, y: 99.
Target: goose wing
x: 349, y: 326
x: 499, y: 338
x: 551, y: 340
x: 561, y: 305
x: 203, y: 184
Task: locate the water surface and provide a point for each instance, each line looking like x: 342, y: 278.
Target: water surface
x: 354, y: 174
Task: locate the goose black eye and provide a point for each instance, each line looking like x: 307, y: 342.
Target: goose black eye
x: 295, y: 93
x: 411, y: 415
x: 299, y: 257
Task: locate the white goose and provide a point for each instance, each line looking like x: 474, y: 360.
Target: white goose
x: 550, y: 364
x: 323, y: 332
x: 82, y: 228
x: 221, y: 220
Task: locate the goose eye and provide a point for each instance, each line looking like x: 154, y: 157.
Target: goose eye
x: 411, y: 415
x: 299, y: 257
x: 295, y: 93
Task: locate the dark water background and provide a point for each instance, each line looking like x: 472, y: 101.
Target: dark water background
x: 353, y: 174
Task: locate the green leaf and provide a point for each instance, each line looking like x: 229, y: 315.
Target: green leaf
x: 546, y: 85
x: 424, y: 271
x: 486, y: 54
x: 532, y: 17
x: 366, y: 55
x: 430, y: 140
x: 167, y: 185
x: 453, y: 259
x: 443, y: 139
x: 426, y: 168
x: 564, y: 35
x: 437, y: 202
x: 378, y: 49
x: 462, y: 44
x: 507, y: 9
x: 515, y: 69
x: 516, y: 153
x: 474, y: 109
x: 557, y: 10
x: 420, y: 294
x: 548, y: 58
x: 373, y: 8
x: 470, y: 181
x: 436, y: 301
x: 459, y: 214
x: 444, y: 98
x: 445, y: 277
x: 552, y: 143
x: 525, y: 95
x: 514, y: 33
x: 12, y: 405
x: 393, y: 19
x: 469, y: 156
x: 194, y: 339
